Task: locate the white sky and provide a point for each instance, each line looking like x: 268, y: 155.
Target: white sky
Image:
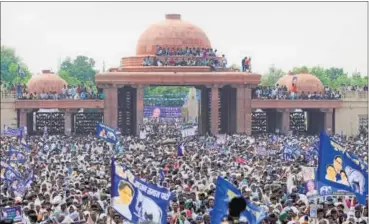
x: 285, y: 34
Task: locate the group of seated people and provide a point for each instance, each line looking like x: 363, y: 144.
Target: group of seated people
x: 67, y: 92
x: 187, y: 51
x: 282, y: 92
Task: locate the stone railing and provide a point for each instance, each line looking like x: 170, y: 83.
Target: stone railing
x: 7, y: 95
x: 355, y: 95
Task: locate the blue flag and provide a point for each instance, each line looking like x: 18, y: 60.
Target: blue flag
x: 180, y: 149
x: 162, y: 176
x: 136, y: 200
x: 224, y: 193
x: 336, y: 168
x: 8, y: 173
x: 16, y: 156
x: 106, y: 133
x: 8, y: 131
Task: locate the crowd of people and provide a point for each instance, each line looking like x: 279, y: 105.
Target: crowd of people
x: 72, y: 176
x: 75, y: 92
x: 282, y: 92
x: 186, y: 57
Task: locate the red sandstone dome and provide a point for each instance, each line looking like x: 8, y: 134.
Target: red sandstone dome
x: 46, y: 82
x: 172, y: 32
x: 305, y: 82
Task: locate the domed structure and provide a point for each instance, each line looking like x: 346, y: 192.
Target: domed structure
x: 304, y: 81
x: 46, y: 82
x: 172, y: 33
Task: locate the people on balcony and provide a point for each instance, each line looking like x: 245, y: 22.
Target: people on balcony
x: 67, y: 92
x: 187, y: 51
x: 282, y: 92
x: 213, y: 63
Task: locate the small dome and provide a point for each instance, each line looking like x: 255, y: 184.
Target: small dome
x: 46, y: 82
x: 172, y: 33
x: 305, y: 82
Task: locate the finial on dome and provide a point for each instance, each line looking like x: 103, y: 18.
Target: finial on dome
x: 173, y: 16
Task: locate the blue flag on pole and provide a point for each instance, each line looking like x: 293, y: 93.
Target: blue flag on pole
x: 106, y: 133
x: 8, y: 173
x: 136, y: 200
x: 336, y: 168
x: 224, y: 193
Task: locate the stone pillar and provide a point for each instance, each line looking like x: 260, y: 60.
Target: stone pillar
x: 199, y: 114
x: 214, y: 110
x: 240, y: 111
x: 22, y: 118
x: 68, y: 122
x: 107, y: 107
x: 111, y: 106
x: 328, y: 120
x: 285, y: 124
x: 248, y: 111
x: 139, y: 108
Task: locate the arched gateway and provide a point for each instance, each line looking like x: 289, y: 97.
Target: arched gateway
x: 226, y: 104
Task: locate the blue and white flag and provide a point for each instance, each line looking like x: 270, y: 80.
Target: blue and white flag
x: 106, y: 133
x: 224, y: 193
x: 180, y: 149
x: 16, y: 156
x: 337, y: 169
x: 136, y: 200
x: 8, y: 173
x: 14, y: 132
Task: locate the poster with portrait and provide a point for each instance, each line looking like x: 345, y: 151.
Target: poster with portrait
x: 136, y: 200
x: 106, y: 133
x: 339, y: 170
x: 12, y: 213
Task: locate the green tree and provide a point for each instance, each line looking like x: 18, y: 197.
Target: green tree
x: 81, y: 68
x: 272, y: 76
x: 10, y: 63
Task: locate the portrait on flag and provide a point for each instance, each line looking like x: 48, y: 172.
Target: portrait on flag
x: 136, y: 200
x: 106, y: 133
x: 337, y: 169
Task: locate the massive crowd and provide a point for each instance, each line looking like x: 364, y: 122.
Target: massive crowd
x: 72, y: 180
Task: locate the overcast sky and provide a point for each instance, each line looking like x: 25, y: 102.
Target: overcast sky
x: 284, y: 34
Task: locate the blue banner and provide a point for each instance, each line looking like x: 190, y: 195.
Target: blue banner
x: 106, y: 133
x: 8, y: 173
x: 136, y: 200
x: 16, y: 156
x: 12, y: 213
x: 337, y: 169
x: 224, y: 193
x: 8, y: 131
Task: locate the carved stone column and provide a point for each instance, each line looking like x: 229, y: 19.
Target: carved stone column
x: 214, y: 110
x: 139, y: 108
x: 22, y: 118
x: 285, y: 124
x: 111, y: 106
x: 328, y: 120
x: 68, y: 119
x: 240, y: 113
x: 248, y: 111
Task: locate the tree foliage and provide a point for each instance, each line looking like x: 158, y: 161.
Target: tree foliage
x: 166, y: 91
x: 10, y: 63
x: 272, y: 76
x: 80, y: 70
x: 331, y: 77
